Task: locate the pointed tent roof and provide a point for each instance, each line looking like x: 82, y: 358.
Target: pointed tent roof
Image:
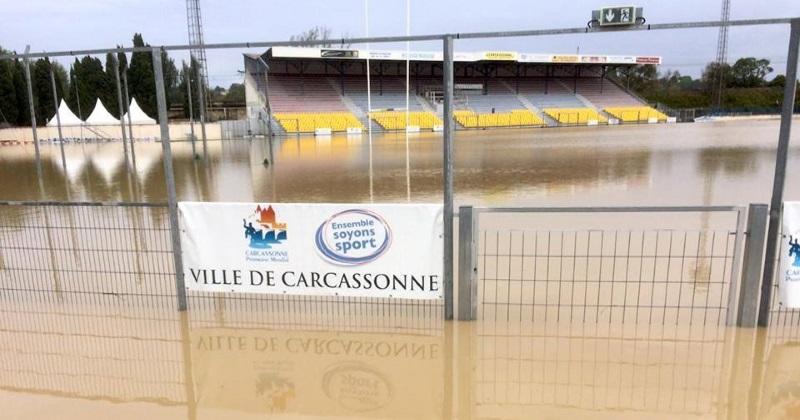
x: 68, y: 118
x: 137, y: 115
x: 101, y: 116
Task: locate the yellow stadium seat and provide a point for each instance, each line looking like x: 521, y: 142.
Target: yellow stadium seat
x: 636, y: 114
x: 396, y: 120
x: 514, y: 118
x: 575, y: 116
x: 308, y: 122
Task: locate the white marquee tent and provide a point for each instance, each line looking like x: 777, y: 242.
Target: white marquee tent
x: 67, y: 117
x: 138, y: 117
x: 101, y: 116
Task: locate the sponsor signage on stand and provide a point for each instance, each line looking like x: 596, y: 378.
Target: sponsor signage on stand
x: 338, y: 53
x: 365, y: 250
x: 565, y: 58
x: 499, y: 55
x: 400, y: 55
x: 648, y: 60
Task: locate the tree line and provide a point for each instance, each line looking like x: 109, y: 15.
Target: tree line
x: 87, y: 80
x: 745, y: 85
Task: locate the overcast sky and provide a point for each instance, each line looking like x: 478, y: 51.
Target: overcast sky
x: 79, y: 24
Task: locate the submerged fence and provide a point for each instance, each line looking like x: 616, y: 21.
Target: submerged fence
x: 667, y: 276
x: 120, y: 253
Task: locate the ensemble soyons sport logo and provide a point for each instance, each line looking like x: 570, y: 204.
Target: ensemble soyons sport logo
x: 353, y: 237
x: 264, y: 231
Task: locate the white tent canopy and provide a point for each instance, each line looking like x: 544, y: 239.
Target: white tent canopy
x: 101, y: 116
x: 137, y: 115
x: 67, y: 117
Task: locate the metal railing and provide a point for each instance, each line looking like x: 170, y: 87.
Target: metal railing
x: 86, y: 251
x: 665, y: 276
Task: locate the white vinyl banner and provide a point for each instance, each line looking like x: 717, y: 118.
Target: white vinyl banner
x: 789, y: 279
x: 363, y: 250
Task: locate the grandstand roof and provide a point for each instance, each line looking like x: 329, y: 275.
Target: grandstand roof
x: 510, y: 56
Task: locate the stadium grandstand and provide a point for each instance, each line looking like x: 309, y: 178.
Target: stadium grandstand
x: 322, y: 90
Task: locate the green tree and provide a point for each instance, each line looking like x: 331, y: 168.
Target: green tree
x: 189, y: 73
x: 92, y: 83
x: 641, y: 79
x: 110, y: 98
x: 750, y: 72
x: 75, y: 89
x: 713, y: 73
x: 777, y: 81
x: 141, y: 82
x: 43, y: 88
x: 21, y: 92
x: 9, y: 109
x: 235, y: 94
x: 42, y: 91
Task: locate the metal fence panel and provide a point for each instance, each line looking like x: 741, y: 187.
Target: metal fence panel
x: 613, y: 276
x: 90, y: 250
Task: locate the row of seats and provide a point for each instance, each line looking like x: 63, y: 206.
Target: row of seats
x: 396, y: 120
x: 636, y: 114
x: 514, y: 118
x: 575, y: 116
x: 308, y: 122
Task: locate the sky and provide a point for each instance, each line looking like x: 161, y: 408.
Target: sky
x: 51, y: 25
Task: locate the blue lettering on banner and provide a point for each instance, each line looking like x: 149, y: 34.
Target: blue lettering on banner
x: 353, y: 237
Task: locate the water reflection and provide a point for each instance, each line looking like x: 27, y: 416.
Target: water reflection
x: 640, y: 165
x: 73, y: 360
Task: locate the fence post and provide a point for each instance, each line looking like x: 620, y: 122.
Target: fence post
x: 58, y: 117
x: 121, y: 106
x: 447, y: 178
x: 172, y: 200
x: 188, y: 76
x: 467, y: 250
x: 752, y: 265
x: 780, y: 173
x: 128, y: 113
x: 201, y: 98
x: 27, y: 68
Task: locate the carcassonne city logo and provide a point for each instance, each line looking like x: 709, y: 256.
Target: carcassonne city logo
x: 264, y: 232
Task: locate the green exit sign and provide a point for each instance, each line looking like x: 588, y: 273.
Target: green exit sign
x: 617, y: 16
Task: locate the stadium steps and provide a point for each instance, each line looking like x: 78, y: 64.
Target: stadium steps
x: 632, y: 94
x: 353, y: 107
x: 587, y: 102
x: 531, y: 107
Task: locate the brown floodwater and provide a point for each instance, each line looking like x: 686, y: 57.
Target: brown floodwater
x: 70, y: 356
x: 719, y: 163
x: 84, y: 361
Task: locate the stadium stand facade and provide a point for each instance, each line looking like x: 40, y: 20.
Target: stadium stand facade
x: 312, y: 90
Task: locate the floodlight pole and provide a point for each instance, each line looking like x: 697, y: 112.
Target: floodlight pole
x: 780, y: 175
x: 27, y: 68
x: 121, y: 108
x: 58, y: 117
x: 447, y: 174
